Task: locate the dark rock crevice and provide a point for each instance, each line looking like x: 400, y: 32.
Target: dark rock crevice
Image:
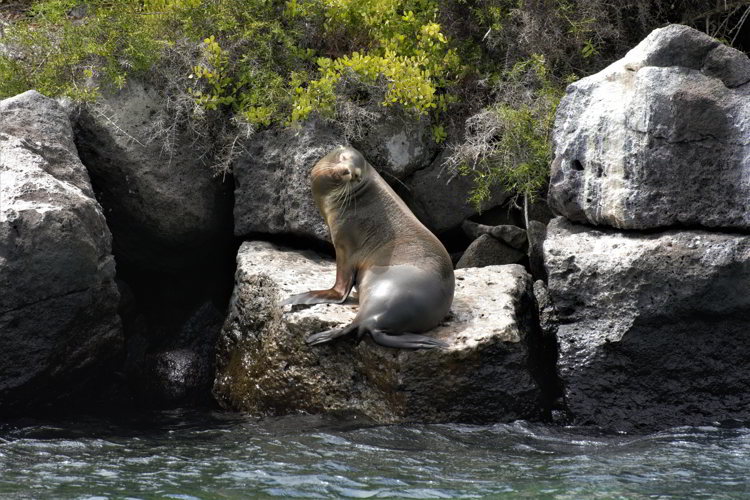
x: 171, y: 222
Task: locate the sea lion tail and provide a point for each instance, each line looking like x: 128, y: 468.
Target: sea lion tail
x: 406, y: 340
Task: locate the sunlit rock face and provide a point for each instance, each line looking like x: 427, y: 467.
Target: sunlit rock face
x: 486, y: 374
x: 652, y: 328
x: 58, y: 299
x: 659, y: 138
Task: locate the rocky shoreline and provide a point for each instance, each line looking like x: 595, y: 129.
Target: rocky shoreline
x: 627, y: 311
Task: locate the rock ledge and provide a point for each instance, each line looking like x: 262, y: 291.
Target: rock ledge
x: 265, y: 368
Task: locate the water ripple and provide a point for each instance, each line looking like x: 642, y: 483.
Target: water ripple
x: 185, y: 455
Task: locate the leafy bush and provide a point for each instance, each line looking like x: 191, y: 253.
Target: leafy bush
x: 507, y: 144
x: 395, y: 41
x: 495, y: 67
x: 58, y: 56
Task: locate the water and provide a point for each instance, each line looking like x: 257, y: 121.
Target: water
x: 184, y: 455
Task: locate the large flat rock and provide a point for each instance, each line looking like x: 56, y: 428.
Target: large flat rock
x: 653, y: 329
x: 660, y: 138
x: 485, y: 375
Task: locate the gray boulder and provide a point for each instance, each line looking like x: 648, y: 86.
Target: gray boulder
x: 58, y: 306
x: 658, y: 138
x: 512, y: 236
x: 167, y: 368
x: 163, y: 204
x: 272, y: 193
x: 397, y: 143
x: 488, y: 251
x: 652, y: 329
x: 439, y: 199
x: 485, y: 375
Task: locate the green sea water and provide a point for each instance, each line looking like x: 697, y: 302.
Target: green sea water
x: 211, y: 455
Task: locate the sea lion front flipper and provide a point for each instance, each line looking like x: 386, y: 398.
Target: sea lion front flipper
x: 405, y: 340
x: 328, y: 335
x: 337, y: 294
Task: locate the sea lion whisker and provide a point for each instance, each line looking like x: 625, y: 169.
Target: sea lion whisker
x: 347, y: 198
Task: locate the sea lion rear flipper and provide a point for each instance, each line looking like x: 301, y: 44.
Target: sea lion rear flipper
x: 328, y: 335
x: 405, y: 340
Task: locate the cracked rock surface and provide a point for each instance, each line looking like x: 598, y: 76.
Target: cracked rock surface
x: 58, y: 306
x: 265, y: 368
x: 659, y: 138
x: 652, y: 328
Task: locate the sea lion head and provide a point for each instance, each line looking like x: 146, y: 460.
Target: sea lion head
x: 338, y: 174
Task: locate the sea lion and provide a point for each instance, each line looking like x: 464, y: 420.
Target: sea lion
x: 403, y: 274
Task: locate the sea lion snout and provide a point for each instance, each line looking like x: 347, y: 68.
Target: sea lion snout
x: 349, y: 173
x: 353, y: 173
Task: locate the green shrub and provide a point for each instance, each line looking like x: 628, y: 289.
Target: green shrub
x: 397, y: 42
x: 226, y: 67
x: 62, y: 57
x: 507, y: 144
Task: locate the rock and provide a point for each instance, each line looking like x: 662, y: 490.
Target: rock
x: 166, y: 211
x: 58, y: 309
x: 265, y: 368
x: 539, y: 211
x: 512, y: 236
x: 398, y: 144
x: 537, y: 233
x: 439, y: 200
x: 652, y: 329
x: 180, y: 372
x: 657, y: 139
x: 487, y: 251
x: 272, y: 193
x: 170, y: 351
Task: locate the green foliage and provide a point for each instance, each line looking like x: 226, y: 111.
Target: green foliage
x: 262, y: 63
x: 507, y: 144
x: 221, y: 90
x: 245, y: 64
x: 397, y: 42
x: 251, y: 61
x: 62, y: 57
